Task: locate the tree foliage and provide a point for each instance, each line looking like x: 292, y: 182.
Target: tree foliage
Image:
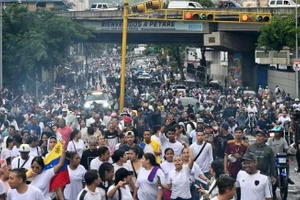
x: 32, y: 40
x: 279, y: 33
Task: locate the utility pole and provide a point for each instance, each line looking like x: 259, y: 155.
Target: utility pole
x: 123, y: 56
x: 297, y: 52
x: 1, y: 36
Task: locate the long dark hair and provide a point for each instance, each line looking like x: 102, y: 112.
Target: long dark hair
x: 73, y: 134
x: 218, y: 167
x: 151, y: 158
x: 117, y: 155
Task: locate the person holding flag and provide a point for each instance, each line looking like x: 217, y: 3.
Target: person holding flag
x: 50, y: 173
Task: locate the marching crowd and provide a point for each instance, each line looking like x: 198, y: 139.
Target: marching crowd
x: 154, y: 149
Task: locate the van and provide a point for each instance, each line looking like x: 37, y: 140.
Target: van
x: 281, y: 3
x: 104, y: 6
x: 184, y: 5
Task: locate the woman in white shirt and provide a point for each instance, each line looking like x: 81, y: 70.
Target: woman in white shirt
x: 166, y: 167
x: 41, y: 178
x: 6, y: 153
x: 178, y: 179
x: 76, y: 144
x: 147, y: 181
x: 76, y: 173
x: 119, y: 158
x: 195, y: 176
x: 120, y: 190
x: 134, y: 162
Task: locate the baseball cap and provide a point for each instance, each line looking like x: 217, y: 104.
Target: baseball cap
x: 24, y: 148
x: 129, y: 133
x: 122, y: 173
x: 249, y: 156
x: 260, y: 132
x: 225, y: 125
x: 200, y: 120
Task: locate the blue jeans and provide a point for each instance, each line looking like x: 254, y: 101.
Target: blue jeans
x: 194, y: 192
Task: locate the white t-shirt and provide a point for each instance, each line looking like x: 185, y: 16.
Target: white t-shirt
x: 205, y: 158
x: 95, y: 163
x: 78, y: 147
x: 215, y: 198
x: 180, y: 183
x: 165, y: 143
x: 89, y: 195
x: 148, y: 148
x: 15, y: 152
x: 35, y: 151
x: 2, y: 189
x: 125, y: 165
x: 76, y: 179
x: 32, y: 193
x: 5, y: 153
x: 166, y: 168
x: 146, y: 189
x: 257, y: 186
x: 125, y: 193
x: 18, y: 162
x: 42, y: 181
x: 282, y: 119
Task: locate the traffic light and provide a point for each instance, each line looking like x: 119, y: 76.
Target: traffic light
x: 202, y: 16
x: 256, y: 18
x: 262, y: 18
x: 139, y: 8
x: 154, y: 5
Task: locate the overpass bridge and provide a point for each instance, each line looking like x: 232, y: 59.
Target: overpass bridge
x: 219, y: 35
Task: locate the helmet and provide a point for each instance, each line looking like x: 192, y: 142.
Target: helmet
x: 276, y: 129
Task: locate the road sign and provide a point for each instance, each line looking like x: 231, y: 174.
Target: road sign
x: 296, y: 65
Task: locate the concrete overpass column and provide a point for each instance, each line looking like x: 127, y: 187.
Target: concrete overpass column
x: 218, y: 68
x: 241, y: 68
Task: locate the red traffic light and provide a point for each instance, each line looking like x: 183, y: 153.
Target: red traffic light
x: 189, y: 15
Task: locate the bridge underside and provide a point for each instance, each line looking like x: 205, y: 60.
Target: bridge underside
x: 151, y: 38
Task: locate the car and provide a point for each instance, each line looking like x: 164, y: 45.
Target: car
x: 188, y: 101
x: 104, y: 6
x: 249, y: 92
x: 144, y: 76
x: 228, y: 4
x: 184, y: 5
x: 99, y: 97
x: 282, y: 3
x: 180, y: 88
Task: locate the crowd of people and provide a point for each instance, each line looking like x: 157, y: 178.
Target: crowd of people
x: 155, y: 148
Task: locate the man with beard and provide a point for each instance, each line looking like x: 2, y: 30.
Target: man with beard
x: 251, y: 184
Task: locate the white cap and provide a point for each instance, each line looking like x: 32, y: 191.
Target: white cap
x: 24, y: 148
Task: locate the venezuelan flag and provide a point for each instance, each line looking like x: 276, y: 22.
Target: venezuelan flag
x: 62, y: 177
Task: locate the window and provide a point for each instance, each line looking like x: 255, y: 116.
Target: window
x: 99, y: 6
x: 105, y: 6
x: 41, y: 4
x: 94, y: 6
x: 272, y: 2
x: 279, y: 2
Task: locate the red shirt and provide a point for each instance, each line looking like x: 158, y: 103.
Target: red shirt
x: 65, y: 134
x: 233, y: 147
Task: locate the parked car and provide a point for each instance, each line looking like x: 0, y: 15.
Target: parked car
x: 228, y: 4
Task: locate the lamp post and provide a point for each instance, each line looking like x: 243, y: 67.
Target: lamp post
x: 296, y: 46
x: 1, y: 36
x: 123, y: 56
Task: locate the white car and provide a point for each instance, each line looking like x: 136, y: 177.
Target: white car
x: 282, y: 3
x: 180, y: 88
x: 99, y: 97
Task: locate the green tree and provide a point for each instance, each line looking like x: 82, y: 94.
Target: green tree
x: 36, y: 40
x: 279, y: 33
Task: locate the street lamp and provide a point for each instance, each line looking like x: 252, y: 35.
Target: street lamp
x: 1, y: 36
x: 123, y: 56
x: 296, y: 46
